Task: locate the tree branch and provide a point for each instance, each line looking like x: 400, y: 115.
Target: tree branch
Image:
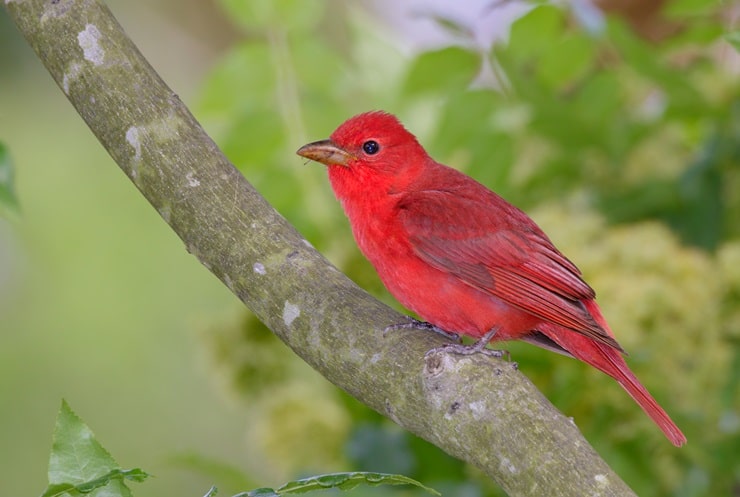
x: 475, y: 408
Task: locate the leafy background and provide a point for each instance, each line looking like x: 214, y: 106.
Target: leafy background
x: 618, y: 134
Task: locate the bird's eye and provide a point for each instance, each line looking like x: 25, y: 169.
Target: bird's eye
x: 370, y: 147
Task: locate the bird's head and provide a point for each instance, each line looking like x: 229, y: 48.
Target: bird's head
x: 373, y: 146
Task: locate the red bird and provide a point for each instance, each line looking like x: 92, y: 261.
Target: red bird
x: 463, y: 258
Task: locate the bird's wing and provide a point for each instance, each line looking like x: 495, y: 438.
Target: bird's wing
x: 496, y: 248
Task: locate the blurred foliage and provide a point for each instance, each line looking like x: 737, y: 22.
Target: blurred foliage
x: 626, y: 152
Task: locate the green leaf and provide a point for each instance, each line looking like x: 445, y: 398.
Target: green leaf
x: 545, y: 53
x: 80, y: 465
x: 448, y: 70
x: 259, y: 492
x: 115, y: 476
x: 536, y: 31
x: 567, y: 59
x: 341, y: 481
x: 8, y: 199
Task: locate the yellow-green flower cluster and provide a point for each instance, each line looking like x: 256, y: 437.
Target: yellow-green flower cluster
x: 301, y: 428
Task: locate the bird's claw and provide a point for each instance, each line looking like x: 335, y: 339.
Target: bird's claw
x: 415, y: 324
x: 457, y: 348
x: 476, y: 348
x: 452, y: 348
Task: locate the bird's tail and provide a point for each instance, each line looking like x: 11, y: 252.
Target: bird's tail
x: 610, y: 361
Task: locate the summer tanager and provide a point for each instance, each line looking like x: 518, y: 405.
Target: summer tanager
x: 463, y: 258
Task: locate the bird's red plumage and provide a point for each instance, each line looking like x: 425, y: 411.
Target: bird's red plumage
x: 463, y: 258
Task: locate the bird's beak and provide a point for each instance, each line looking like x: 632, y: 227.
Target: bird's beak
x: 326, y: 152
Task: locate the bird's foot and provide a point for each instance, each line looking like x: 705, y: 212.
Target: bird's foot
x: 415, y: 324
x: 479, y: 347
x: 458, y: 348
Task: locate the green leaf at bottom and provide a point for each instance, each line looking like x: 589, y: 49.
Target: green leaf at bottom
x: 342, y: 481
x: 79, y: 465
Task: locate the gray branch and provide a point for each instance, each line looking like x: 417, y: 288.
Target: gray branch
x: 475, y: 408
